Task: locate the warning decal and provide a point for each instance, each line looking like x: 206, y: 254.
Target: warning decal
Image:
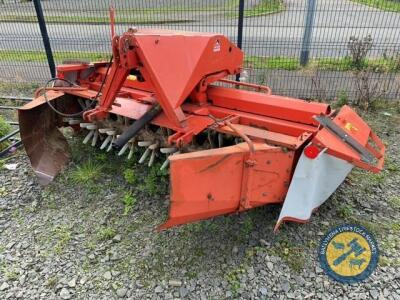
x: 217, y: 46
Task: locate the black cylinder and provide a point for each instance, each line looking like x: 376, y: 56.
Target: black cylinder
x: 132, y: 130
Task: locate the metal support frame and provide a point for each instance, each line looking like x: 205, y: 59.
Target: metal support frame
x: 240, y: 29
x: 45, y: 37
x: 309, y: 23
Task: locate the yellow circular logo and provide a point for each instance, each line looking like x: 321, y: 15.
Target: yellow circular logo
x: 348, y: 253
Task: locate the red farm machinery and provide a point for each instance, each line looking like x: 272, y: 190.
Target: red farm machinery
x: 230, y: 146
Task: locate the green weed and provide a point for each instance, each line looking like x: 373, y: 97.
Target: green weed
x: 375, y: 228
x: 91, y: 245
x: 130, y: 176
x: 129, y: 201
x: 106, y: 233
x: 395, y: 226
x: 247, y: 226
x: 3, y: 191
x: 17, y: 215
x: 156, y: 181
x: 10, y: 274
x: 102, y: 157
x: 87, y: 172
x: 391, y: 165
x: 345, y: 211
x: 191, y: 274
x: 293, y: 256
x: 233, y: 278
x: 394, y: 202
x: 377, y: 178
x: 63, y: 235
x: 52, y: 282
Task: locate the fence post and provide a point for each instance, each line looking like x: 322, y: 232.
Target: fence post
x: 240, y: 29
x: 45, y: 37
x: 305, y: 46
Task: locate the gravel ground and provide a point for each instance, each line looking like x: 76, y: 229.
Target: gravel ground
x: 77, y: 240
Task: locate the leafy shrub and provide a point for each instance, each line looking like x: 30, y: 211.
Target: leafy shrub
x: 5, y: 129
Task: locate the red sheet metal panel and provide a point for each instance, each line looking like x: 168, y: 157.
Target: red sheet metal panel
x: 357, y: 128
x: 279, y: 107
x: 219, y: 181
x: 189, y: 57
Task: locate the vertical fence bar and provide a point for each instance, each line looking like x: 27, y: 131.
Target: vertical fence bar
x: 45, y: 37
x: 309, y: 23
x: 240, y: 29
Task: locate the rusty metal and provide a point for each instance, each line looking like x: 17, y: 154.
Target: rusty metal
x: 44, y: 144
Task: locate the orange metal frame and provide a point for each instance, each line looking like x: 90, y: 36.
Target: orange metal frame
x: 185, y: 73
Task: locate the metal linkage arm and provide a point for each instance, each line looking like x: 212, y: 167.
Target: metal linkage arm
x: 125, y: 59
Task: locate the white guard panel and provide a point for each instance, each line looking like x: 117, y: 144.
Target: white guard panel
x: 314, y: 180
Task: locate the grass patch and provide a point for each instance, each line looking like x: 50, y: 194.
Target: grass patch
x: 40, y: 56
x: 327, y: 64
x: 17, y: 88
x: 388, y: 5
x: 345, y: 211
x: 52, y: 282
x: 9, y: 272
x: 259, y: 62
x: 87, y: 172
x: 391, y: 165
x: 292, y: 255
x: 395, y: 227
x: 63, y: 235
x: 389, y: 64
x: 233, y: 278
x: 132, y: 19
x: 394, y: 202
x: 106, y: 233
x: 265, y: 7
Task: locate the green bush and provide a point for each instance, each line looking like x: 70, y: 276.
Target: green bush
x: 5, y: 129
x: 342, y: 99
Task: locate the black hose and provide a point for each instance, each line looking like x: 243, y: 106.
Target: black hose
x: 132, y: 130
x: 51, y: 106
x: 93, y: 100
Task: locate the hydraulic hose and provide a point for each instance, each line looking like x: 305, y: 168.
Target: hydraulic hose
x: 132, y: 130
x: 72, y: 84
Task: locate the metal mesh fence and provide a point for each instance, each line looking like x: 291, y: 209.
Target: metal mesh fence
x: 300, y: 48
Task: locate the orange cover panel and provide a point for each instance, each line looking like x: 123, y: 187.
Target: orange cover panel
x: 219, y: 181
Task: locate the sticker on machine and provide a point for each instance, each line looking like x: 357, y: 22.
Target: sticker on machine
x: 217, y: 46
